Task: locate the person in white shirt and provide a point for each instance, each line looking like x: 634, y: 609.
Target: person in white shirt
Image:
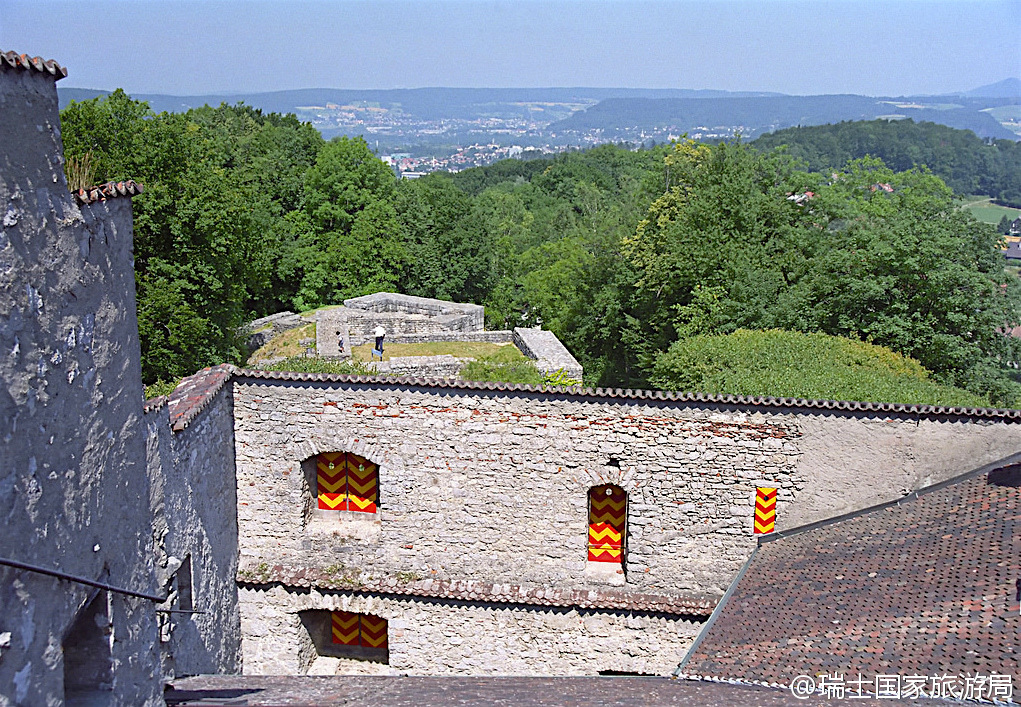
x: 380, y: 333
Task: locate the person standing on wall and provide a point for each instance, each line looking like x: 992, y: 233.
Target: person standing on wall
x: 379, y: 334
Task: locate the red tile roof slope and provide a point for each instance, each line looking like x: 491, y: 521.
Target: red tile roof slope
x: 24, y: 62
x: 194, y: 393
x: 927, y: 587
x: 109, y: 190
x: 470, y: 590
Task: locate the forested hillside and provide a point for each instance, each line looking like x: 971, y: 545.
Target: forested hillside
x: 967, y: 163
x: 622, y: 254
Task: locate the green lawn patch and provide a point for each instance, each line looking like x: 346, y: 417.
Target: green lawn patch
x: 505, y: 353
x: 982, y: 208
x: 285, y: 344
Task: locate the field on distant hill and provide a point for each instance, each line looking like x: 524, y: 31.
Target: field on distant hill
x: 982, y: 208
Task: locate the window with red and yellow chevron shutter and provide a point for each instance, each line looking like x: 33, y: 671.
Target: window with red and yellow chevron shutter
x: 363, y: 630
x: 607, y: 523
x: 346, y: 482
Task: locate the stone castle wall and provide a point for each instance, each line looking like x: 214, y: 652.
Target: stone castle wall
x: 494, y: 486
x: 442, y: 637
x: 491, y: 486
x: 73, y: 485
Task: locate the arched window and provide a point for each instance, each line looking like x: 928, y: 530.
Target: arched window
x: 346, y: 482
x: 607, y: 523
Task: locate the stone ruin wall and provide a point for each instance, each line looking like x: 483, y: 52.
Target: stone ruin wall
x: 73, y: 486
x: 492, y: 487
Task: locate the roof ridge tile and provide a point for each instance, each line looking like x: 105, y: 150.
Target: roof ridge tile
x: 14, y: 60
x: 107, y: 190
x: 682, y: 396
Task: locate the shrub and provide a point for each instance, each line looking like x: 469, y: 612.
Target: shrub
x: 795, y: 365
x: 492, y: 369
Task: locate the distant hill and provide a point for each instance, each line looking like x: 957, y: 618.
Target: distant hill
x: 438, y: 120
x: 423, y: 103
x: 626, y: 118
x: 1008, y: 88
x: 967, y: 163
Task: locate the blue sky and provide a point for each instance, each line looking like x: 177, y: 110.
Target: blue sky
x: 875, y: 47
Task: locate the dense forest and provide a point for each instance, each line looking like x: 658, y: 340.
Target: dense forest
x: 966, y: 162
x: 628, y: 256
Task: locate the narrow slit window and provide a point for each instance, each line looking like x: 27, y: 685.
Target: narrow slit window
x: 607, y: 523
x: 184, y: 584
x: 347, y: 482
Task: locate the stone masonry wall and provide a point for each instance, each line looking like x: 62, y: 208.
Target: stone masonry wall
x: 195, y: 509
x: 495, y: 486
x: 439, y: 637
x: 491, y: 486
x: 73, y: 486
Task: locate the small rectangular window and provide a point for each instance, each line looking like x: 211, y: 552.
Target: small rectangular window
x: 345, y: 634
x: 346, y: 482
x: 363, y: 630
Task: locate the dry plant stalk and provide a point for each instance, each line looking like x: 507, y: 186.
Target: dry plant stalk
x: 80, y: 171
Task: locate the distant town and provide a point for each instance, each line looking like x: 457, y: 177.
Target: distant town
x: 485, y: 139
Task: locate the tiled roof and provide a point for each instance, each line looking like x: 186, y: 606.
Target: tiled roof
x: 154, y: 404
x: 927, y: 587
x: 13, y: 60
x: 194, y: 393
x: 470, y: 590
x: 738, y: 400
x: 110, y: 190
x: 419, y: 690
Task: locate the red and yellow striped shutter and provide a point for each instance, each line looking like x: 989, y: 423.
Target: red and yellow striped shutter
x: 765, y: 510
x: 607, y: 518
x: 362, y: 484
x: 373, y: 631
x: 365, y: 630
x: 331, y: 480
x: 345, y: 628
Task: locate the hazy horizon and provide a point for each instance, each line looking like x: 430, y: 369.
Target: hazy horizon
x: 187, y: 48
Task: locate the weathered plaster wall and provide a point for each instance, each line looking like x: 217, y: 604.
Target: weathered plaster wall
x: 441, y: 637
x: 72, y: 482
x: 849, y: 462
x: 194, y: 496
x: 493, y: 484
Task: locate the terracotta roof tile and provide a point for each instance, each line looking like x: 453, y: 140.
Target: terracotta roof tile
x: 471, y: 590
x: 24, y: 62
x: 737, y: 400
x: 110, y: 190
x: 927, y: 587
x: 154, y: 404
x: 194, y: 393
x: 520, y: 691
